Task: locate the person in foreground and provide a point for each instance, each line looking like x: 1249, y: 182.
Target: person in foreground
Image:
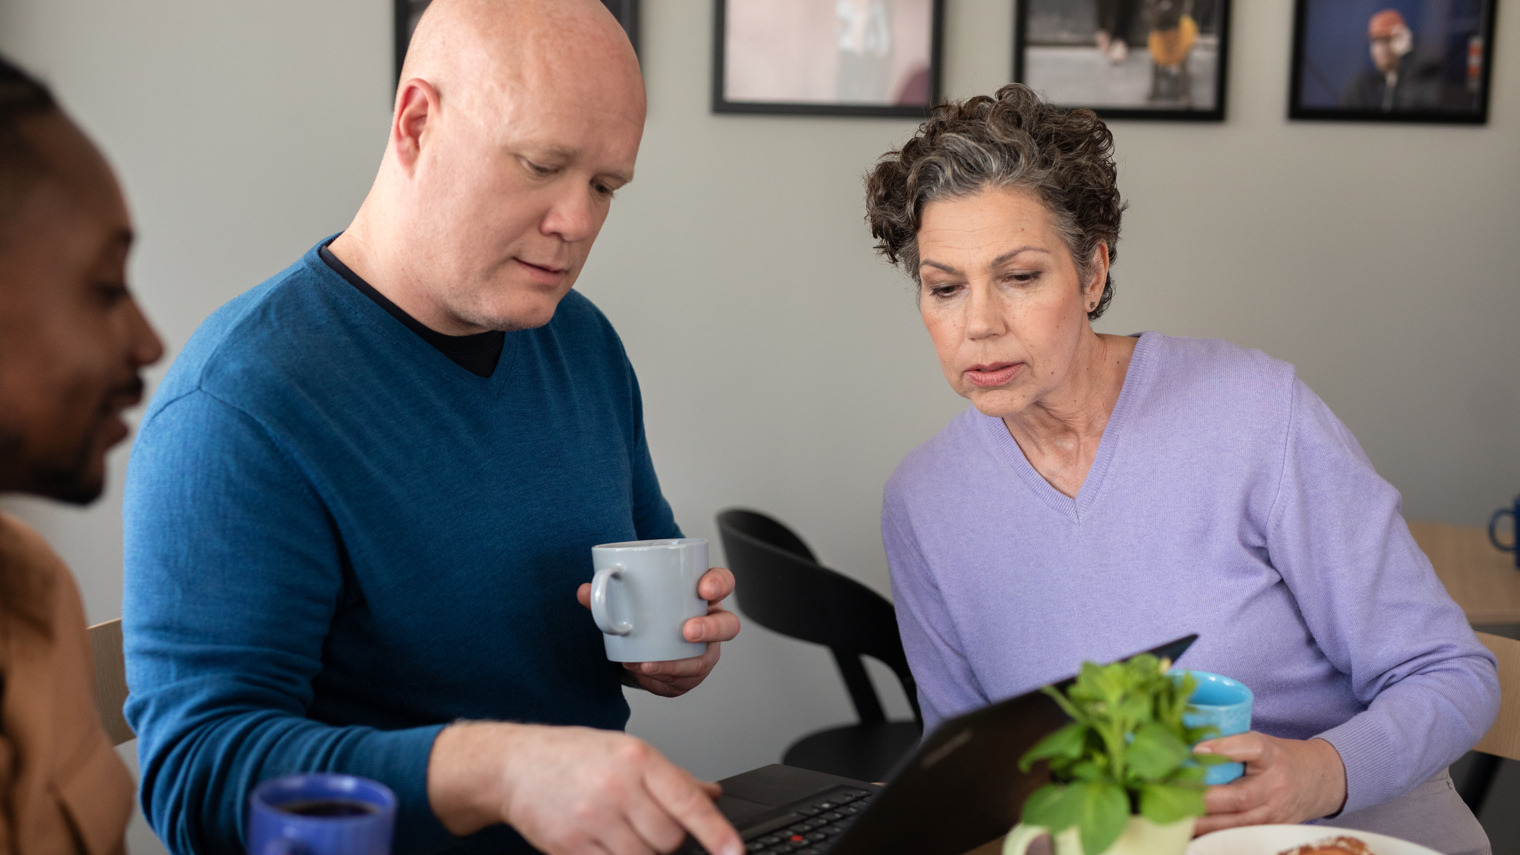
x: 1106, y: 493
x: 72, y: 342
x: 360, y: 509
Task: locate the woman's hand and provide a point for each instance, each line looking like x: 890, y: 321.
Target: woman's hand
x: 1286, y: 780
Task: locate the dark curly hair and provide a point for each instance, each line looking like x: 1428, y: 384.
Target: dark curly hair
x: 1011, y: 139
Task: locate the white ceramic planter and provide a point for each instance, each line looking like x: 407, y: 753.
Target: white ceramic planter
x: 1140, y: 837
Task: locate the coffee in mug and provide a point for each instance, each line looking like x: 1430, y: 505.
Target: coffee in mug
x: 328, y: 807
x: 321, y: 813
x: 643, y: 593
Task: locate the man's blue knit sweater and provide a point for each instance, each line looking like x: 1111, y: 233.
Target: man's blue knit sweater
x: 338, y: 541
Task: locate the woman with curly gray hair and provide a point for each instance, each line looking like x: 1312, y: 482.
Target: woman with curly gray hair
x: 1105, y: 493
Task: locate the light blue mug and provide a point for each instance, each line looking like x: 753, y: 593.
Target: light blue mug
x: 1225, y: 704
x: 321, y: 813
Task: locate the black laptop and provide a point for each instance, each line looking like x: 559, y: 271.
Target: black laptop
x: 959, y: 789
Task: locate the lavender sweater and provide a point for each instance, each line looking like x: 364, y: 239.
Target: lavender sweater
x: 1225, y: 499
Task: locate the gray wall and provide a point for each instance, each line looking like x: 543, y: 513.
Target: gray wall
x: 783, y: 365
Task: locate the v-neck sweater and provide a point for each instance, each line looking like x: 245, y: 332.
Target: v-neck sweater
x: 338, y: 541
x: 1224, y: 499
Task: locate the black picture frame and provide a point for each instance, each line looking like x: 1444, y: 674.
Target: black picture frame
x: 1442, y: 60
x: 406, y: 13
x: 901, y: 73
x: 1058, y: 51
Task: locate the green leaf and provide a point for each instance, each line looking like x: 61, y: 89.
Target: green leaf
x: 1164, y: 803
x: 1087, y: 770
x: 1144, y: 665
x: 1076, y: 713
x: 1133, y: 707
x: 1109, y: 684
x: 1065, y: 742
x: 1195, y: 735
x: 1105, y: 810
x: 1055, y: 806
x: 1154, y: 752
x: 1189, y: 775
x: 1043, y: 807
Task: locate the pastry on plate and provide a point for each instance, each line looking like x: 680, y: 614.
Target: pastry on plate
x: 1330, y: 846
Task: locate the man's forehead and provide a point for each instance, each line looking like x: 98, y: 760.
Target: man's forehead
x: 76, y: 201
x: 606, y: 140
x: 74, y: 166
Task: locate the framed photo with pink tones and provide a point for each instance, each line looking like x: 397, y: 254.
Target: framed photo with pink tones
x: 1392, y: 60
x: 834, y: 58
x: 408, y: 11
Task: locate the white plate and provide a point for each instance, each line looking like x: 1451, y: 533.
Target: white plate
x: 1272, y: 839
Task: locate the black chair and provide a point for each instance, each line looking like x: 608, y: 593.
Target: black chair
x: 782, y: 587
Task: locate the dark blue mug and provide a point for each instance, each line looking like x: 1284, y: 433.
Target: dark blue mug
x: 321, y: 813
x: 1514, y: 526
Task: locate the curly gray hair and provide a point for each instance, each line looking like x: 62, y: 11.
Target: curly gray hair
x: 1011, y: 139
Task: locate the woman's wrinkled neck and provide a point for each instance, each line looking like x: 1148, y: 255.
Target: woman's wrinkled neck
x: 1059, y: 434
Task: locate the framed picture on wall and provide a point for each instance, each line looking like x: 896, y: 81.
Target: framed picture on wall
x: 408, y: 11
x: 1392, y: 60
x: 1126, y: 59
x: 837, y: 58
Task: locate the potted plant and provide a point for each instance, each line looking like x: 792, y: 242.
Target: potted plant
x: 1125, y: 780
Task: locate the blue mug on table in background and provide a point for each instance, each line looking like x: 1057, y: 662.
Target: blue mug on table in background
x: 1513, y: 513
x: 321, y: 813
x: 1222, y: 703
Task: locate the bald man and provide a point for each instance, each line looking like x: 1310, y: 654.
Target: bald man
x: 360, y: 509
x: 72, y: 343
x: 1396, y: 80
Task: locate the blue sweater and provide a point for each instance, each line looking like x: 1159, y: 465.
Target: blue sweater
x: 338, y: 540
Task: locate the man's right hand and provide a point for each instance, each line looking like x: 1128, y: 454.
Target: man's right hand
x: 571, y: 790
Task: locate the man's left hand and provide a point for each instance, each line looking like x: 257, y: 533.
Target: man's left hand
x: 679, y: 676
x: 1286, y: 781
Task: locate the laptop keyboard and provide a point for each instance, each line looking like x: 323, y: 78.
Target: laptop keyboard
x: 809, y: 828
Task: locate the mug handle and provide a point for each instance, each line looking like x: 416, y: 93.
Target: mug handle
x: 1493, y: 534
x: 599, y: 610
x: 1018, y: 840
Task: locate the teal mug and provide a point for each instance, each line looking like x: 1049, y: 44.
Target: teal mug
x: 1224, y: 704
x: 1514, y: 538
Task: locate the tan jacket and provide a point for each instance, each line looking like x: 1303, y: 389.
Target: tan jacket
x: 62, y: 787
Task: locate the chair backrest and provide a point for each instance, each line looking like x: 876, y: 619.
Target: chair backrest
x: 110, y: 679
x: 782, y: 587
x: 1503, y: 739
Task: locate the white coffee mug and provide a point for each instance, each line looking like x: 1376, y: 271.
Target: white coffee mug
x: 643, y: 593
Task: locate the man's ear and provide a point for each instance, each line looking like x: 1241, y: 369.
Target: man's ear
x: 416, y: 105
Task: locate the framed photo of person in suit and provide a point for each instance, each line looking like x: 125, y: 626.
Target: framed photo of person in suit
x: 1392, y: 60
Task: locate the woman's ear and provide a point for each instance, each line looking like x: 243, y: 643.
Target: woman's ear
x: 1093, y: 289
